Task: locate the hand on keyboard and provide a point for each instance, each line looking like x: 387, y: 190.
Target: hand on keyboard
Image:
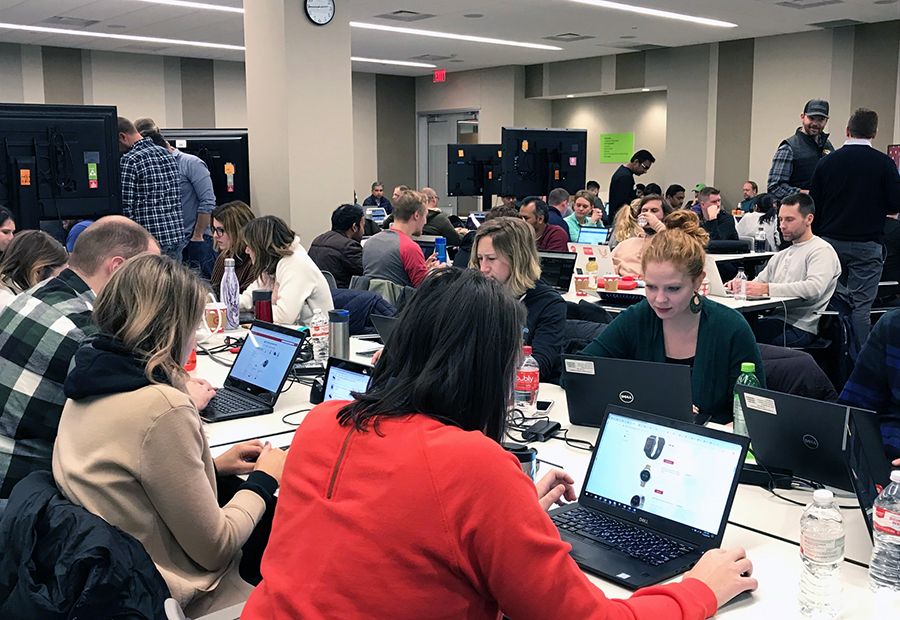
x: 726, y: 572
x: 554, y: 488
x: 239, y: 459
x: 201, y: 392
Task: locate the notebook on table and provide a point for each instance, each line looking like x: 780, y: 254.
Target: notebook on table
x: 258, y: 373
x: 592, y: 383
x: 657, y: 495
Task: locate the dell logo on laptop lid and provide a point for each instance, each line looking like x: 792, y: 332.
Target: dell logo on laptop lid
x: 810, y: 442
x: 626, y: 397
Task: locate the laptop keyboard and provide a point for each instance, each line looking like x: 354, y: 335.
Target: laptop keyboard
x: 634, y: 541
x: 226, y: 402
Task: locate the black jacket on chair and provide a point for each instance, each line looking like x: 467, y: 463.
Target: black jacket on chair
x: 58, y: 561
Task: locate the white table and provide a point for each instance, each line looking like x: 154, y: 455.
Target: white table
x: 745, y: 306
x: 771, y: 544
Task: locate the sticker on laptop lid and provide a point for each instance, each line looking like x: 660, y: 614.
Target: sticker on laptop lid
x: 623, y: 576
x: 580, y: 367
x: 760, y: 403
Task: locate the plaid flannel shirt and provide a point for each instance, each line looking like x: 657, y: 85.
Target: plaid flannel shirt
x: 780, y: 172
x: 39, y: 333
x: 151, y: 192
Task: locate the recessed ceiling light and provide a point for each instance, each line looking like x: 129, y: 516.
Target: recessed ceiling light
x: 196, y: 5
x: 657, y: 13
x: 570, y: 96
x: 399, y: 63
x: 455, y: 37
x: 119, y: 37
x: 645, y: 90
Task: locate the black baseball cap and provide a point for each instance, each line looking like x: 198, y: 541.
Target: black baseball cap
x: 816, y: 107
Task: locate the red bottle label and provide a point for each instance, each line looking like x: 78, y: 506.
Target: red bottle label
x: 528, y: 380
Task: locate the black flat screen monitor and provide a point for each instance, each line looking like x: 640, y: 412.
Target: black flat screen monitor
x: 473, y: 169
x: 226, y: 153
x: 59, y: 162
x: 536, y: 161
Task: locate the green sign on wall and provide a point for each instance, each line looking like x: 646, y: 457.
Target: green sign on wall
x: 616, y: 148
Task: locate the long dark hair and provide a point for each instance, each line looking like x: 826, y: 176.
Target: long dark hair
x: 270, y: 238
x: 453, y: 357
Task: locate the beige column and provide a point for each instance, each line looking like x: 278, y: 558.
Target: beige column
x: 299, y: 113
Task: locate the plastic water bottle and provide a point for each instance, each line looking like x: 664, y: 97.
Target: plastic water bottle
x: 884, y: 567
x: 759, y: 242
x: 822, y: 551
x: 230, y: 294
x: 318, y: 334
x: 747, y: 377
x: 741, y: 279
x: 528, y: 380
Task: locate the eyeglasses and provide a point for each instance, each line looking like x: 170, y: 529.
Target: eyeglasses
x: 645, y: 166
x: 218, y: 230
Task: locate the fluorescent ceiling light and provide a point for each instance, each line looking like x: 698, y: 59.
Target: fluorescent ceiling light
x: 570, y: 96
x: 455, y: 37
x: 657, y: 13
x: 196, y: 5
x: 399, y: 63
x: 120, y: 37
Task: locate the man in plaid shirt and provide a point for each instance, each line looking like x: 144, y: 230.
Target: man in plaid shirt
x: 151, y: 189
x: 39, y: 333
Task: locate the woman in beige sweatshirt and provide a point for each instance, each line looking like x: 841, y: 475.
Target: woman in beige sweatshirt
x: 131, y: 447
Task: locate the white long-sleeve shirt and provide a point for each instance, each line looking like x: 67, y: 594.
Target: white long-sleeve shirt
x: 301, y: 289
x: 807, y: 270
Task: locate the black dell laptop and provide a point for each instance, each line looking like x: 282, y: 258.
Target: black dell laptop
x: 258, y: 373
x: 656, y: 497
x: 592, y: 383
x: 557, y: 269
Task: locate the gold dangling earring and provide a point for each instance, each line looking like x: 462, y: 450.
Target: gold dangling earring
x: 696, y: 303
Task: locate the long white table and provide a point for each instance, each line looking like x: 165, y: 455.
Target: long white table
x: 765, y: 526
x: 745, y: 306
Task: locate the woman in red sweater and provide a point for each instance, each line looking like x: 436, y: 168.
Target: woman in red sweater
x: 403, y: 504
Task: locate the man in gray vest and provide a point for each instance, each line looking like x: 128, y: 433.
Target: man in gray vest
x: 796, y: 158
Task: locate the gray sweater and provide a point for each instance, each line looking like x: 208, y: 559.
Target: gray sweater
x: 807, y: 270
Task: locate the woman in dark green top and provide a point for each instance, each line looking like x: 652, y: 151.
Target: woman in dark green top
x: 678, y: 326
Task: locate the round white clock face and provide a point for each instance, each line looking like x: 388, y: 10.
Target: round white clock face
x: 320, y: 11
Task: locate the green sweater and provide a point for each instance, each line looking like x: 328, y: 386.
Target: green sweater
x: 724, y: 341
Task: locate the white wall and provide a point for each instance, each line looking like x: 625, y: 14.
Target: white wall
x: 365, y: 135
x: 641, y: 113
x: 231, y: 93
x: 134, y: 83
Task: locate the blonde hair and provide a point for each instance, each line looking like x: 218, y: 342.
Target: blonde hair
x: 31, y: 257
x: 625, y: 224
x: 152, y: 305
x: 513, y: 239
x: 682, y: 244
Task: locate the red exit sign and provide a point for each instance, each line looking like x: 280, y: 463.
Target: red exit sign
x: 440, y: 75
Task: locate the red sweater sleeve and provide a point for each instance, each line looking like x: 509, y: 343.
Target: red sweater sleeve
x: 413, y: 260
x: 512, y: 552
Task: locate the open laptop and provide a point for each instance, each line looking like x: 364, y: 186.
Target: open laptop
x: 475, y: 220
x: 384, y: 325
x: 258, y: 373
x: 601, y: 255
x: 717, y: 286
x: 376, y: 214
x: 798, y: 434
x: 557, y: 269
x: 657, y: 495
x: 342, y: 377
x: 593, y: 236
x: 592, y: 383
x: 867, y: 464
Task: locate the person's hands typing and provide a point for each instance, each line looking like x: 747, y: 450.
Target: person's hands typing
x: 726, y: 572
x: 556, y: 487
x: 201, y: 392
x: 271, y: 461
x: 240, y: 458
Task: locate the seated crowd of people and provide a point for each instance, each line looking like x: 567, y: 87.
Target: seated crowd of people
x: 409, y: 477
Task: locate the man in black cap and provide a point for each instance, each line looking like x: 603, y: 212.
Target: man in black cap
x: 796, y: 158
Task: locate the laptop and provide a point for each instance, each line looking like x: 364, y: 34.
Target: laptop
x: 342, y: 377
x: 557, y: 269
x: 657, y: 495
x: 376, y: 214
x: 798, y: 434
x: 384, y: 325
x: 867, y: 464
x: 717, y: 286
x: 601, y: 255
x: 258, y: 373
x: 592, y: 383
x: 475, y: 220
x: 593, y: 236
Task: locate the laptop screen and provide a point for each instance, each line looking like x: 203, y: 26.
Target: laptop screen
x: 557, y: 268
x: 265, y: 358
x: 670, y: 473
x: 341, y: 381
x: 593, y: 236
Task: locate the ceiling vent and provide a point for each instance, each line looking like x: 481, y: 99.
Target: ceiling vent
x: 836, y: 23
x: 807, y: 4
x: 70, y: 22
x: 405, y: 16
x: 432, y: 57
x: 568, y: 37
x: 638, y: 47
